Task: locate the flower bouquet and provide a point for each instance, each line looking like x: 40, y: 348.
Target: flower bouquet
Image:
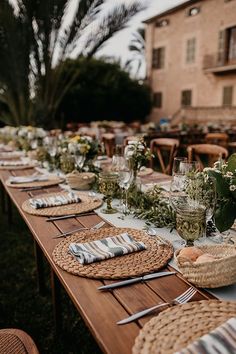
x: 138, y: 154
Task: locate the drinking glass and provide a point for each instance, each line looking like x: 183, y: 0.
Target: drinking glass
x: 108, y: 185
x: 176, y: 169
x: 79, y: 161
x: 193, y: 197
x: 125, y: 178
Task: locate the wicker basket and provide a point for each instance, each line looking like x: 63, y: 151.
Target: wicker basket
x: 80, y: 180
x: 219, y: 272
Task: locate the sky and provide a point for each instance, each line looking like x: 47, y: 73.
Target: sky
x: 118, y: 45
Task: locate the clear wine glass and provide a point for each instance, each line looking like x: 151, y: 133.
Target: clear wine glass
x: 176, y: 169
x: 79, y: 161
x: 124, y: 180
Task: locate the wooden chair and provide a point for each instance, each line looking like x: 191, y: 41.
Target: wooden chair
x: 165, y: 149
x: 108, y: 139
x: 220, y: 139
x: 211, y: 152
x: 131, y: 138
x: 16, y: 341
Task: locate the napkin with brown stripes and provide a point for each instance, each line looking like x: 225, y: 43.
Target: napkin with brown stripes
x: 105, y: 248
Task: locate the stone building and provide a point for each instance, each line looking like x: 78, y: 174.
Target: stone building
x: 191, y: 61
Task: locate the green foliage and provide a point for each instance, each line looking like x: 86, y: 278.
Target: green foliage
x: 225, y: 175
x: 34, y: 39
x: 102, y: 91
x: 152, y: 206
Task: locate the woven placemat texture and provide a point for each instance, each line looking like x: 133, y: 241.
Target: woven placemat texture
x: 50, y: 182
x: 177, y: 327
x: 152, y: 259
x: 87, y: 204
x: 11, y: 344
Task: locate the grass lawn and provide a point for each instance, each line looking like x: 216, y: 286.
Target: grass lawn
x: 22, y: 307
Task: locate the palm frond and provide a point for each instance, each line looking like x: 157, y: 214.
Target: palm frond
x: 113, y: 22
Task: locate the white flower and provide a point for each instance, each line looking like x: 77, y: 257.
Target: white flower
x: 229, y: 174
x: 232, y: 188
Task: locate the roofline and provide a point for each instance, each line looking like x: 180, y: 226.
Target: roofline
x: 171, y: 10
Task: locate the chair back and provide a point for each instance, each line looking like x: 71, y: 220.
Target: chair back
x: 131, y: 138
x: 217, y: 139
x: 165, y: 149
x: 16, y: 341
x: 211, y: 153
x: 108, y: 139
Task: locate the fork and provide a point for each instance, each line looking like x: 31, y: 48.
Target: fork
x: 95, y: 227
x: 181, y: 299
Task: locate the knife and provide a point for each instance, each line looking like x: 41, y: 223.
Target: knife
x: 135, y: 280
x: 69, y: 216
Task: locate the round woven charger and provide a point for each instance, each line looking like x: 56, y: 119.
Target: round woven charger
x: 177, y: 327
x: 152, y: 259
x: 87, y: 204
x: 145, y: 172
x: 50, y: 182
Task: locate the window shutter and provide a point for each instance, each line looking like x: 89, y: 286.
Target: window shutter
x: 227, y: 95
x: 221, y: 47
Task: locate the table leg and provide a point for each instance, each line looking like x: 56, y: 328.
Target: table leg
x: 3, y: 199
x: 9, y: 210
x: 56, y: 301
x: 39, y: 268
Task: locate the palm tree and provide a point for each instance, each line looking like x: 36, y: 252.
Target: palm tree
x: 137, y: 49
x: 36, y: 40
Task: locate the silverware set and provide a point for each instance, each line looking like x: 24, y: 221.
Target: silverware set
x: 95, y: 227
x: 180, y: 300
x: 69, y: 216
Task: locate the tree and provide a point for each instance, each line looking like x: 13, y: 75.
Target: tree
x: 103, y: 91
x: 137, y: 49
x: 35, y: 42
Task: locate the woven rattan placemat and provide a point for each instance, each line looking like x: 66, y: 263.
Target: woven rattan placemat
x: 134, y: 264
x: 87, y: 203
x: 177, y: 327
x: 50, y: 182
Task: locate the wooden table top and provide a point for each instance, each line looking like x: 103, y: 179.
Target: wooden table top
x: 100, y: 310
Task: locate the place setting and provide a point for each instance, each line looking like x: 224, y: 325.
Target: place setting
x: 34, y: 181
x: 61, y: 204
x: 19, y: 164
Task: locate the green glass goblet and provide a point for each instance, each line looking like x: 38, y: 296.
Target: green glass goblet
x: 191, y: 223
x: 108, y: 185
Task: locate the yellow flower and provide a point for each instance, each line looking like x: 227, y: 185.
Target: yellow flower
x: 75, y: 139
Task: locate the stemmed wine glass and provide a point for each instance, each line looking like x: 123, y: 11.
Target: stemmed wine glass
x: 125, y: 178
x: 79, y: 161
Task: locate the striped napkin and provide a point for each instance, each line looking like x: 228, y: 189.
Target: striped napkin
x: 52, y: 201
x: 105, y: 248
x: 27, y: 179
x: 220, y: 341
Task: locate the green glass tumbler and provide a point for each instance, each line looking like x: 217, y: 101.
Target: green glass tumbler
x: 108, y: 185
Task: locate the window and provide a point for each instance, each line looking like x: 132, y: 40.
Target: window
x: 158, y: 58
x: 193, y: 11
x: 227, y: 95
x: 191, y: 50
x: 227, y: 46
x: 157, y: 99
x: 162, y: 23
x: 186, y: 98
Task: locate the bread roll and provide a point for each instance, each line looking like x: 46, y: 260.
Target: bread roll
x: 206, y: 257
x: 191, y: 253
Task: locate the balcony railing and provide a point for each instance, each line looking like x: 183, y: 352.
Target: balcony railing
x: 212, y: 63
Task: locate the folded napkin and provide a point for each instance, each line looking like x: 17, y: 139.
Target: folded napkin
x: 57, y: 200
x: 27, y: 179
x: 222, y: 340
x: 105, y: 248
x: 13, y: 163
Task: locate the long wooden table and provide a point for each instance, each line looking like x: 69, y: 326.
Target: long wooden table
x: 100, y: 310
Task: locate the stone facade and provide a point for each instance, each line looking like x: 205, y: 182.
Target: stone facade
x: 199, y: 41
